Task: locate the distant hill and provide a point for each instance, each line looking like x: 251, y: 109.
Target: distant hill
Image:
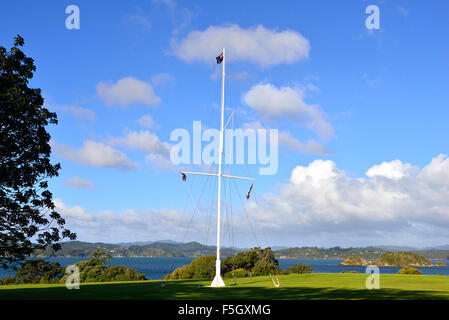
x: 368, y: 253
x: 397, y: 248
x: 154, y: 249
x: 143, y: 243
x: 443, y: 247
x: 168, y: 248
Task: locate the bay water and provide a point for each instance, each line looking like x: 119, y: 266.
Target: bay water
x: 155, y: 268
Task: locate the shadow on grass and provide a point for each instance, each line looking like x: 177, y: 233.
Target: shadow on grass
x: 180, y: 290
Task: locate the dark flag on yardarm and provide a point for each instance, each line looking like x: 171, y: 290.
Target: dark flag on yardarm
x: 219, y: 58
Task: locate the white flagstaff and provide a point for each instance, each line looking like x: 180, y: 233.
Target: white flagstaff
x: 218, y: 281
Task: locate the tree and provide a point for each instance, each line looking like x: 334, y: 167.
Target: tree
x: 247, y: 259
x: 261, y: 261
x: 38, y: 271
x: 97, y: 254
x: 28, y: 220
x: 200, y: 268
x: 299, y: 268
x: 264, y: 268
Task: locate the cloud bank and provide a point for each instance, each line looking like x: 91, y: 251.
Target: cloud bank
x: 319, y: 205
x: 396, y: 201
x: 258, y: 45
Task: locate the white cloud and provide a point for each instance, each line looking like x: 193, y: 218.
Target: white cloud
x: 149, y: 143
x: 286, y: 102
x: 146, y: 121
x: 79, y: 183
x: 259, y: 45
x: 392, y: 170
x: 95, y: 154
x: 144, y: 141
x: 127, y: 91
x: 321, y: 200
x: 129, y: 225
x: 437, y: 173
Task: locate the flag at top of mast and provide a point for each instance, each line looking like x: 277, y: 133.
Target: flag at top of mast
x: 219, y: 58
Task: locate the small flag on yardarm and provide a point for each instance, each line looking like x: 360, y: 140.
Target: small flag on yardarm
x: 219, y: 58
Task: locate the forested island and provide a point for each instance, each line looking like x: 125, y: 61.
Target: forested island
x: 394, y: 259
x: 367, y: 253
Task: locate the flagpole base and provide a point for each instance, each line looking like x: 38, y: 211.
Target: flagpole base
x: 217, y: 282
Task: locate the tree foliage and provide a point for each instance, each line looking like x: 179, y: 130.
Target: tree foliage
x: 255, y: 261
x: 403, y: 259
x: 299, y: 268
x: 199, y: 268
x: 248, y: 259
x: 409, y: 270
x: 94, y: 270
x: 264, y: 268
x: 28, y: 220
x: 38, y: 271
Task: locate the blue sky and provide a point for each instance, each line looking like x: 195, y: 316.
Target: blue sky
x: 382, y: 92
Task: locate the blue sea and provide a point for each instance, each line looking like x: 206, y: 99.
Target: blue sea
x: 155, y: 268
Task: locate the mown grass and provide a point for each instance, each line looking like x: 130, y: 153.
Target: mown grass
x: 309, y: 286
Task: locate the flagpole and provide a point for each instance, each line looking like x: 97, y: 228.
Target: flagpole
x: 218, y: 281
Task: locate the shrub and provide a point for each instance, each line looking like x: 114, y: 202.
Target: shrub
x: 200, y: 268
x: 7, y: 280
x: 238, y: 273
x: 299, y: 268
x: 409, y: 270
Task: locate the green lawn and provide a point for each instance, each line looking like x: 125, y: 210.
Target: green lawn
x: 310, y: 286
